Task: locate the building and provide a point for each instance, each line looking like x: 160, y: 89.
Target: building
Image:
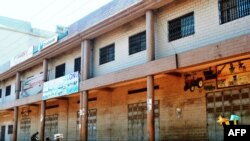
x: 149, y: 70
x: 14, y: 33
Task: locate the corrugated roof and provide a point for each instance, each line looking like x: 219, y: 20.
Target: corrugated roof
x: 101, y: 14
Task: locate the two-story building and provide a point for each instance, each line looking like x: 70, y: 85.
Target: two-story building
x: 137, y: 70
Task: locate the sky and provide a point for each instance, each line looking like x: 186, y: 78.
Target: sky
x: 46, y: 14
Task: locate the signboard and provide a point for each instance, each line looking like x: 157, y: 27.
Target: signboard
x: 233, y: 74
x: 61, y: 31
x: 65, y: 85
x: 32, y: 86
x: 45, y: 44
x: 21, y: 57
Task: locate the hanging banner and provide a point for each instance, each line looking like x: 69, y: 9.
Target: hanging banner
x: 65, y: 85
x: 32, y: 86
x: 45, y: 44
x: 21, y: 57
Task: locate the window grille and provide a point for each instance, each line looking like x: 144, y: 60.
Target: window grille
x: 107, y: 54
x: 137, y: 43
x: 233, y: 9
x: 181, y: 27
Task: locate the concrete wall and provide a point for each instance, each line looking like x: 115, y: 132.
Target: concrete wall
x: 34, y: 116
x: 120, y: 37
x: 112, y: 110
x: 68, y: 58
x: 10, y: 98
x: 208, y: 29
x: 6, y: 120
x: 32, y: 71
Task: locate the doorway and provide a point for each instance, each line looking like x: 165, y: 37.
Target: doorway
x: 2, y: 133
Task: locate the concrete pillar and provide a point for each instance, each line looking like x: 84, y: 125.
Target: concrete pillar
x: 84, y: 116
x: 150, y: 79
x: 85, y: 67
x: 85, y: 59
x: 43, y: 102
x: 18, y: 84
x: 42, y: 119
x: 18, y: 89
x: 45, y: 70
x: 150, y: 108
x: 15, y: 124
x: 150, y: 36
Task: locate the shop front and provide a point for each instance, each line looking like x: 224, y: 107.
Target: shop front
x: 227, y: 95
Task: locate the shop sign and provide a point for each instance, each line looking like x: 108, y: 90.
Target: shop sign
x: 21, y: 57
x: 45, y: 44
x: 32, y: 86
x: 233, y: 74
x: 65, y: 85
x: 61, y: 31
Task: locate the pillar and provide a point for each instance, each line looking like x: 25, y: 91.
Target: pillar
x: 150, y: 78
x: 18, y: 85
x: 42, y: 119
x: 18, y: 89
x: 43, y: 102
x: 85, y: 67
x: 15, y: 124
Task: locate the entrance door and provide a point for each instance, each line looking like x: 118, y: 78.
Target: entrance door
x: 224, y: 103
x: 2, y: 133
x: 51, y: 125
x: 25, y: 125
x: 137, y: 121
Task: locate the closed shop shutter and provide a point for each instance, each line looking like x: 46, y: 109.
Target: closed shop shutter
x: 25, y: 125
x: 91, y: 125
x: 227, y: 102
x: 51, y: 125
x: 137, y: 121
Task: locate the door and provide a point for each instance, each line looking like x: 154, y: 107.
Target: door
x: 137, y: 121
x: 51, y: 125
x: 25, y: 125
x: 2, y: 133
x: 224, y: 103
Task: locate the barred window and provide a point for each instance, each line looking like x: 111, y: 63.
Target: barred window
x: 233, y: 9
x: 107, y: 54
x: 8, y: 90
x: 10, y: 129
x: 137, y: 43
x: 60, y: 70
x: 181, y: 27
x: 77, y: 66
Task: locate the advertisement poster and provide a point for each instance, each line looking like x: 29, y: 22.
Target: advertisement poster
x: 21, y: 57
x: 32, y: 86
x: 65, y: 85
